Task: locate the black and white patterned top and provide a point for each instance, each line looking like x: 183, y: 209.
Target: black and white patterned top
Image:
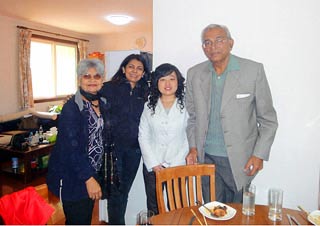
x: 95, y: 143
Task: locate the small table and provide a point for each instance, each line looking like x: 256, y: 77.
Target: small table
x: 26, y: 156
x: 184, y: 216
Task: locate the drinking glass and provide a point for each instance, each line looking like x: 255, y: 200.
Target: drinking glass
x: 144, y: 217
x: 275, y: 199
x: 249, y: 194
x: 319, y: 193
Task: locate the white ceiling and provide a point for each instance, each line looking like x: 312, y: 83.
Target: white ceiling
x: 84, y: 16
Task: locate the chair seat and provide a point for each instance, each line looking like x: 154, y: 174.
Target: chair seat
x: 58, y: 216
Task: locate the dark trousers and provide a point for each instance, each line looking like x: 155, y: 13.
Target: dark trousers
x: 127, y: 166
x: 78, y: 212
x: 150, y: 187
x: 226, y: 189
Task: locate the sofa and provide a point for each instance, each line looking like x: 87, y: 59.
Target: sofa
x: 30, y: 124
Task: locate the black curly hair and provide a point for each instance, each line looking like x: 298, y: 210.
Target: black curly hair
x: 162, y: 71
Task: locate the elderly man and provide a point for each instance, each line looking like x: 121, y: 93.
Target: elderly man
x: 232, y: 120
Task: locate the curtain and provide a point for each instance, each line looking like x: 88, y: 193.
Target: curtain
x: 24, y: 69
x: 83, y: 48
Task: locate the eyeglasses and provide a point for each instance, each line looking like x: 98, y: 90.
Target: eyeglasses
x: 88, y: 76
x: 217, y: 42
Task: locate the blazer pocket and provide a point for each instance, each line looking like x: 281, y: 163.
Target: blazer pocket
x: 243, y: 95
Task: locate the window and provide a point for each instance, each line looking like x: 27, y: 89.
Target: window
x: 53, y: 68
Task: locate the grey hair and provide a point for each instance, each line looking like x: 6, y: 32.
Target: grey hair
x: 211, y: 26
x: 85, y: 64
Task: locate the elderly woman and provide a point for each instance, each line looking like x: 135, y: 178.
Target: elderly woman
x: 75, y: 164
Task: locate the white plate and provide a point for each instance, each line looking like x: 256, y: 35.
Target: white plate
x: 313, y: 215
x: 230, y: 211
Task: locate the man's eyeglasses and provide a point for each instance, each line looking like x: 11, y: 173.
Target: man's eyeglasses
x: 217, y: 42
x: 88, y: 76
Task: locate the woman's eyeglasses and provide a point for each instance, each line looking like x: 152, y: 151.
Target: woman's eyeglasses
x: 88, y: 76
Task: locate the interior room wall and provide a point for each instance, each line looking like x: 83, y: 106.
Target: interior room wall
x: 9, y: 91
x: 124, y: 41
x: 283, y: 35
x: 9, y: 85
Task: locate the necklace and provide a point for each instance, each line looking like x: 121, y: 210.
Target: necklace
x: 94, y: 105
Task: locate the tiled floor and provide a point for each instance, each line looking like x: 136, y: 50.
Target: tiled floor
x: 9, y: 184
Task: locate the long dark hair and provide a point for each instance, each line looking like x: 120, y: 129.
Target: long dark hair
x: 162, y: 71
x: 119, y: 76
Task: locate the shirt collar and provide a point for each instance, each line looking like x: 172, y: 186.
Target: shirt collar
x: 233, y: 65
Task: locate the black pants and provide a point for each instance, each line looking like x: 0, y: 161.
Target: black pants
x: 127, y: 164
x: 150, y: 186
x: 78, y: 212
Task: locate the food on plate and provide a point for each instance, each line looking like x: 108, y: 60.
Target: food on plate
x: 316, y: 219
x: 219, y: 211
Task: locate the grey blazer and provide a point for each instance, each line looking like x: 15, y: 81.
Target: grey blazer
x: 248, y: 118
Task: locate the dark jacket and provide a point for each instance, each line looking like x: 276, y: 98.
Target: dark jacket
x: 126, y: 109
x: 69, y: 165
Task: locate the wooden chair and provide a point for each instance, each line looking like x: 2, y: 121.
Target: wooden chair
x: 42, y: 190
x: 182, y: 185
x: 58, y: 216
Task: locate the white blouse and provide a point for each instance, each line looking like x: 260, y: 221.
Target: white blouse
x: 163, y: 137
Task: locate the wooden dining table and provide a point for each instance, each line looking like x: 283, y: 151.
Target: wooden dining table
x: 184, y: 216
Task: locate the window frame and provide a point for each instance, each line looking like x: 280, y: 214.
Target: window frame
x: 57, y: 40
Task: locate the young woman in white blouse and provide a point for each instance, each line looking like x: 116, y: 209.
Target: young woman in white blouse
x: 162, y: 130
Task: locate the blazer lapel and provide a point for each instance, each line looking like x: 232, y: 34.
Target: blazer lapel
x: 206, y: 86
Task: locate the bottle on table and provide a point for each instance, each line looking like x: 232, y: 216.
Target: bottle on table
x: 30, y: 138
x: 40, y: 134
x: 15, y: 164
x: 36, y: 137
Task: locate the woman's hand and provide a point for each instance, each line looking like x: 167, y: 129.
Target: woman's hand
x: 65, y: 100
x: 93, y: 189
x: 157, y: 168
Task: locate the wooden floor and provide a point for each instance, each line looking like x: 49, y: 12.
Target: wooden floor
x: 9, y: 184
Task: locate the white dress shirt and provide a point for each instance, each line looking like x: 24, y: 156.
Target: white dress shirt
x: 163, y: 137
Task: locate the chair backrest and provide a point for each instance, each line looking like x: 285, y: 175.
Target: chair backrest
x: 43, y: 191
x: 183, y: 186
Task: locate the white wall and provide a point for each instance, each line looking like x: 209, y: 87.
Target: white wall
x: 282, y: 34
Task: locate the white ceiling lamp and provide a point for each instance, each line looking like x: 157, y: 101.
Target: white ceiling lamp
x: 119, y: 19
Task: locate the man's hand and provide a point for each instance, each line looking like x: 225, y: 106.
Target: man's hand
x: 191, y: 158
x: 253, y: 165
x: 93, y: 189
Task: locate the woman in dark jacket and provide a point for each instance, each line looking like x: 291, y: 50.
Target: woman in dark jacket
x: 127, y: 92
x: 75, y: 165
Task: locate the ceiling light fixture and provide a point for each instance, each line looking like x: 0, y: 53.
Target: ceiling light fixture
x: 119, y: 19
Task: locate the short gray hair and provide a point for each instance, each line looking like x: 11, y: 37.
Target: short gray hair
x: 85, y: 64
x: 211, y: 26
